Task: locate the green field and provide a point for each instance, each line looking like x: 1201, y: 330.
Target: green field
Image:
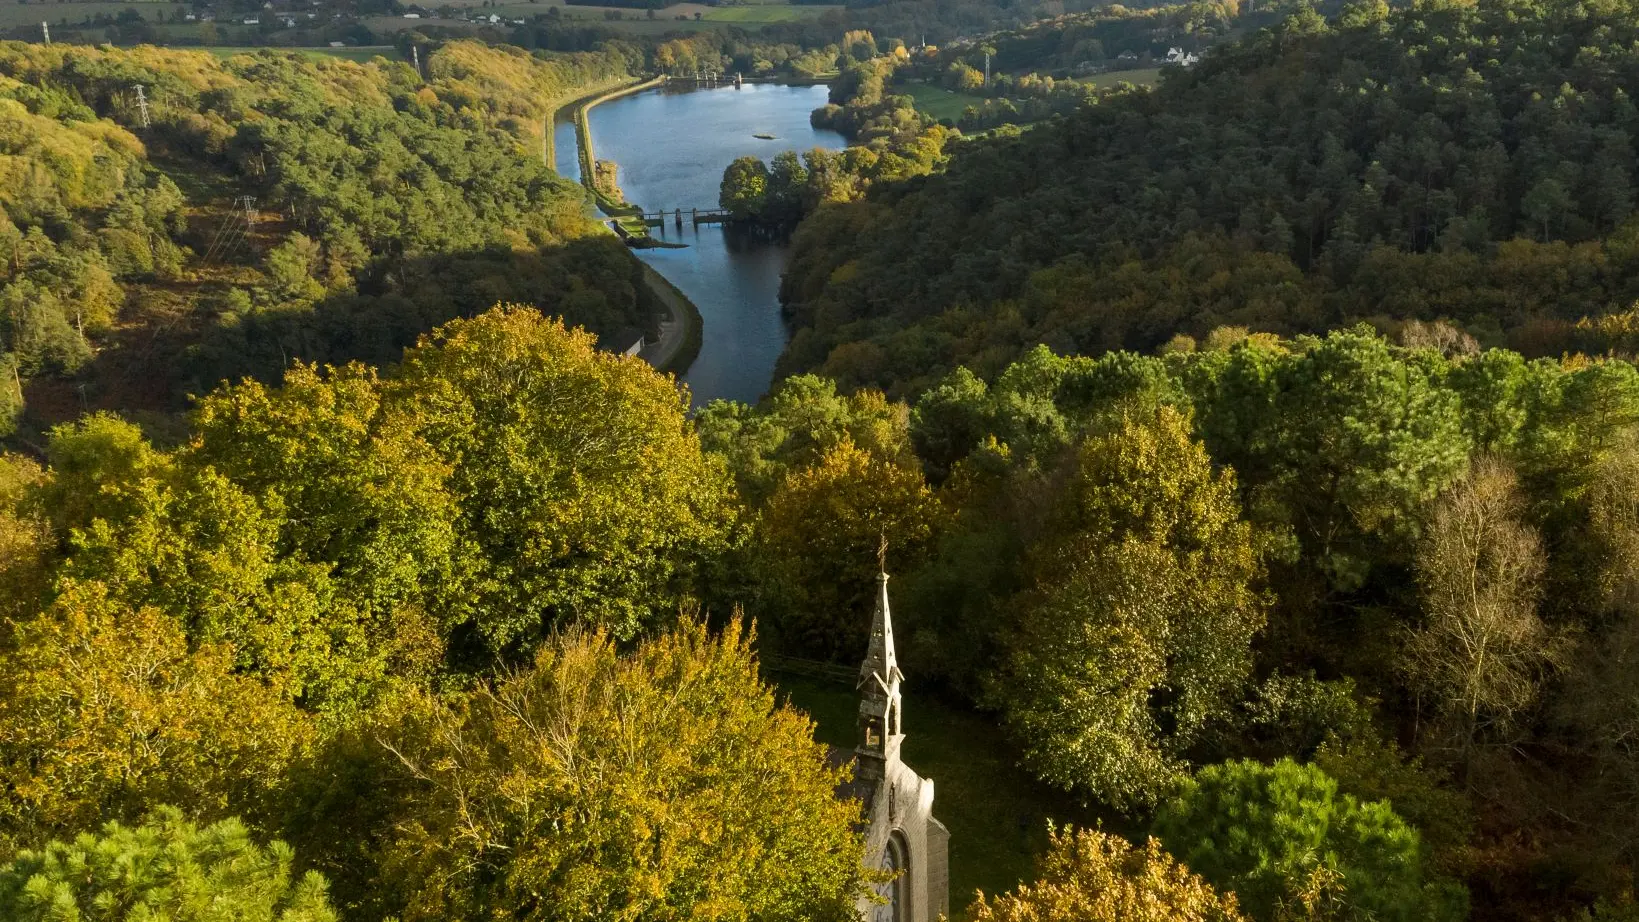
x: 767, y: 12
x: 362, y: 53
x: 937, y: 102
x: 997, y: 815
x: 20, y: 14
x: 634, y: 21
x: 1143, y: 76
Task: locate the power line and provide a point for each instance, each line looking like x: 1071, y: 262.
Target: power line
x: 233, y: 232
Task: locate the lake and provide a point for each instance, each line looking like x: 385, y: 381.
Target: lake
x: 672, y: 145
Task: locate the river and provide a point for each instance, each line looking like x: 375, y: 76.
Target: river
x: 672, y: 145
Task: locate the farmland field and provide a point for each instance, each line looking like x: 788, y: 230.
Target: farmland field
x: 630, y: 20
x: 937, y: 102
x: 1143, y: 76
x: 362, y: 53
x: 768, y: 12
x: 20, y: 14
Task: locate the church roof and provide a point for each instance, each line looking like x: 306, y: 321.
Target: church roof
x: 881, y: 665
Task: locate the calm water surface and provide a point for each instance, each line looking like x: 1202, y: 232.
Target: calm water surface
x: 672, y: 146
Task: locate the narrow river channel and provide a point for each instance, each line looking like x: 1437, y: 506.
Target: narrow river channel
x: 672, y: 145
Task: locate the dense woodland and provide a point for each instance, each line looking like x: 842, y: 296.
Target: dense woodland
x: 135, y: 274
x: 1467, y: 163
x: 1257, y: 453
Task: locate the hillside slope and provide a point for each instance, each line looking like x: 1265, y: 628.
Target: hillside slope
x: 276, y: 207
x: 1469, y: 162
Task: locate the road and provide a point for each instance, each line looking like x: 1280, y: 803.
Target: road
x: 674, y: 330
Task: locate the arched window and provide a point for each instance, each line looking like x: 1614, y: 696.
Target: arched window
x: 893, y: 861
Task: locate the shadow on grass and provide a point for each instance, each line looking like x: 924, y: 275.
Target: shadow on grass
x: 997, y: 814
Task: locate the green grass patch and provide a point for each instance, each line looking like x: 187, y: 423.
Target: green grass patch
x: 766, y: 12
x: 32, y: 14
x: 996, y: 813
x: 615, y: 209
x: 362, y: 54
x: 1143, y: 76
x: 936, y: 102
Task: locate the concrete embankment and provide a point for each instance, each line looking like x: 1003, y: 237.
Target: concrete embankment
x: 581, y: 94
x: 583, y: 122
x: 681, y: 331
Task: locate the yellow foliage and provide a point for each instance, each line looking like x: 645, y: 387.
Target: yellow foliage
x: 105, y: 711
x: 1090, y: 876
x: 667, y: 783
x: 82, y: 163
x: 510, y: 83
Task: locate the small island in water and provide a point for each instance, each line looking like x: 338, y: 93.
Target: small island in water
x: 765, y: 137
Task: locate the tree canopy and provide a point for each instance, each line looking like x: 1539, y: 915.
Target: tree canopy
x: 163, y: 868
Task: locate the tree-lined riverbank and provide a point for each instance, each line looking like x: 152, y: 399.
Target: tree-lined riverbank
x: 672, y: 145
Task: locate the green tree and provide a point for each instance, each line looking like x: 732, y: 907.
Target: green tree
x: 359, y: 491
x: 292, y: 265
x: 581, y: 491
x: 164, y: 868
x: 11, y: 393
x: 1289, y: 846
x: 1089, y: 876
x: 744, y: 190
x: 787, y: 190
x: 1138, y: 635
x: 818, y: 540
x: 800, y: 420
x: 1352, y: 441
x: 665, y: 783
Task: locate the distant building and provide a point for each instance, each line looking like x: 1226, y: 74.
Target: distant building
x: 1126, y: 57
x: 338, y: 44
x: 1181, y: 58
x: 412, y: 15
x: 901, y: 834
x: 252, y: 20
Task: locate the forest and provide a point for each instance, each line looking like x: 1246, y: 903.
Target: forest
x: 1410, y: 171
x: 1255, y: 456
x: 248, y: 218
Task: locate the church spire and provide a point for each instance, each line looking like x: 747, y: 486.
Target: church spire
x: 880, y: 662
x: 879, y: 697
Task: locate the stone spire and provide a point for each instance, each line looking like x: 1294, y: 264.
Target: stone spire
x: 879, y: 698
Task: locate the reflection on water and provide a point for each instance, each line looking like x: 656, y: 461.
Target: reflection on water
x: 672, y: 146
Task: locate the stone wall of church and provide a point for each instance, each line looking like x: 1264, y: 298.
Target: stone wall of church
x: 904, y: 807
x: 938, y: 869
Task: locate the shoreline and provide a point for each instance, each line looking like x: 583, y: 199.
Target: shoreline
x: 549, y: 142
x: 580, y: 113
